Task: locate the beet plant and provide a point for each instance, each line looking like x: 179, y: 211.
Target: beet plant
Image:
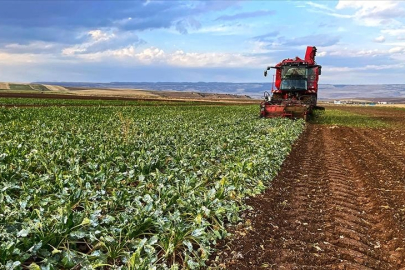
x: 130, y: 187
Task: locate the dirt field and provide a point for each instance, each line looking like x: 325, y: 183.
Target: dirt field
x: 338, y: 203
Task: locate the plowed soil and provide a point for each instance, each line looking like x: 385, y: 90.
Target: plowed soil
x: 337, y: 203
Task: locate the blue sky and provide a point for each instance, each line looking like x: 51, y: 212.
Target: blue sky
x: 359, y: 42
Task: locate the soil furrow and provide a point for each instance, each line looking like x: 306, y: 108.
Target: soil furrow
x: 354, y: 250
x: 334, y: 205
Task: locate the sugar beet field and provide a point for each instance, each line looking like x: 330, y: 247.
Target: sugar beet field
x: 129, y: 187
x: 200, y: 187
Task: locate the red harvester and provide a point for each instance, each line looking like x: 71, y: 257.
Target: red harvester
x: 296, y: 88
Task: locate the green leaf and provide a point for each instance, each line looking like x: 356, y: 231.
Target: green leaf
x: 34, y: 266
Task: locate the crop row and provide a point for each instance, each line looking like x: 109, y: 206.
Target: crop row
x: 130, y: 187
x: 86, y: 102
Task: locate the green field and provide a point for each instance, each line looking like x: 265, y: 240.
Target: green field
x: 130, y: 187
x: 91, y: 102
x: 39, y: 87
x: 22, y: 87
x: 344, y: 118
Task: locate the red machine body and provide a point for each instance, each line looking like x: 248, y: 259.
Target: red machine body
x: 295, y: 90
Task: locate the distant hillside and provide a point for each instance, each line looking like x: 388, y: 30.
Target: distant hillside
x: 330, y: 91
x: 250, y: 89
x: 254, y: 90
x: 29, y: 87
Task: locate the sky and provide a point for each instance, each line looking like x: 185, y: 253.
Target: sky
x: 358, y: 42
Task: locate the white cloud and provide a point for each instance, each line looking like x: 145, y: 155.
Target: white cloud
x: 346, y: 52
x: 179, y: 58
x: 379, y: 39
x: 96, y: 36
x: 222, y: 29
x: 323, y: 9
x: 394, y: 32
x: 147, y: 56
x: 374, y: 13
x: 31, y: 46
x: 99, y: 36
x: 398, y: 33
x: 257, y: 46
x: 10, y: 59
x: 214, y: 29
x: 320, y: 6
x: 397, y: 50
x: 331, y: 69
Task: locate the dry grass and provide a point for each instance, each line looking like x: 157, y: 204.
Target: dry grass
x: 114, y: 93
x: 56, y: 88
x: 391, y: 105
x: 5, y: 86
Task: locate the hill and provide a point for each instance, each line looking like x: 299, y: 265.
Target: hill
x: 206, y: 90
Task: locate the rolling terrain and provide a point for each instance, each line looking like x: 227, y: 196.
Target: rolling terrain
x: 394, y: 93
x: 47, y: 91
x: 255, y: 90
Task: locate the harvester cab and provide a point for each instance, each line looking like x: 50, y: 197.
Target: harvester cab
x: 295, y: 89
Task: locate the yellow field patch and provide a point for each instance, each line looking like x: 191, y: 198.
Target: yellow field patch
x: 391, y: 105
x: 4, y: 86
x: 55, y: 88
x: 114, y: 93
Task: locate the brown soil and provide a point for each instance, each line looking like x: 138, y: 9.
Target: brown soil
x: 337, y: 203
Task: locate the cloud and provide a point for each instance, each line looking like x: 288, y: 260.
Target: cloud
x: 394, y: 32
x: 179, y: 58
x: 184, y: 24
x: 99, y: 36
x: 323, y: 9
x: 363, y: 59
x: 320, y: 6
x: 228, y: 29
x: 367, y: 54
x: 373, y: 13
x: 257, y: 46
x: 36, y: 47
x: 58, y: 21
x: 273, y: 40
x: 356, y: 53
x: 399, y: 33
x: 364, y: 68
x: 99, y: 40
x: 95, y: 37
x: 397, y: 50
x: 379, y: 39
x: 246, y: 15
